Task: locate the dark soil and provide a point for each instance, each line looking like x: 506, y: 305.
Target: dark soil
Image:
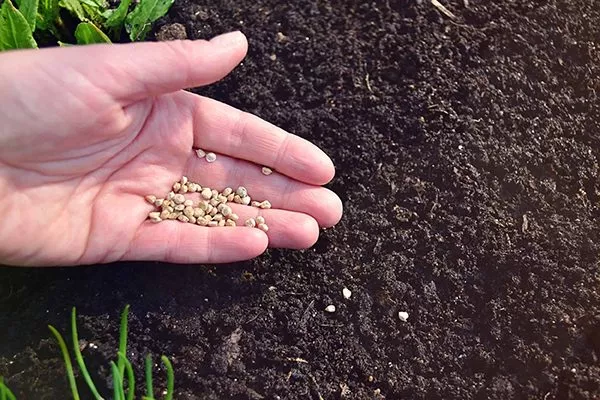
x: 467, y: 155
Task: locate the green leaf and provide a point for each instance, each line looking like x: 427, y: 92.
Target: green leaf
x: 47, y: 13
x: 29, y: 9
x: 117, y: 17
x: 123, y: 339
x: 88, y: 33
x: 15, y: 32
x: 74, y: 6
x: 170, y: 377
x: 148, y: 369
x: 93, y: 13
x: 139, y: 21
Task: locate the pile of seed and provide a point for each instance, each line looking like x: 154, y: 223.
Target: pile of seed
x: 211, y: 210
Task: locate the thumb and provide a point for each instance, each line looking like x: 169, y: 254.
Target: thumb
x: 132, y: 71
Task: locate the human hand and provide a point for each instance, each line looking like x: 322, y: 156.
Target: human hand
x: 87, y: 131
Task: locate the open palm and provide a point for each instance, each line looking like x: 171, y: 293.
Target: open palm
x: 86, y: 132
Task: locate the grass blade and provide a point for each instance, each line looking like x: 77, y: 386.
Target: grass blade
x: 117, y: 388
x: 149, y: 389
x: 123, y: 339
x: 69, y: 366
x: 130, y: 377
x: 79, y: 357
x: 170, y: 378
x: 5, y: 392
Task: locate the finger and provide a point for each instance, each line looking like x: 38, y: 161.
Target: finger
x: 224, y: 129
x: 287, y: 229
x: 132, y: 71
x: 281, y: 191
x: 184, y: 243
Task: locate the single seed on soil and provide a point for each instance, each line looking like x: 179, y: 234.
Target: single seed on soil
x: 227, y: 191
x: 176, y: 187
x: 188, y: 211
x: 200, y: 153
x: 267, y: 171
x: 213, y: 224
x: 255, y: 203
x: 222, y: 222
x: 183, y: 218
x: 330, y: 308
x: 263, y: 227
x: 346, y: 293
x: 226, y: 211
x: 159, y: 202
x: 179, y: 207
x: 265, y: 204
x: 179, y: 199
x: 211, y: 157
x: 250, y: 223
x: 188, y: 203
x: 260, y: 219
x: 206, y: 193
x: 246, y: 200
x: 403, y: 315
x: 241, y: 191
x: 230, y: 223
x: 234, y: 217
x: 150, y: 199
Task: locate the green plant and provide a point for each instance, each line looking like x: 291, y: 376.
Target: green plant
x: 121, y: 369
x: 25, y: 23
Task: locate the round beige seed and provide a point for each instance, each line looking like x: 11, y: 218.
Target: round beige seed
x: 230, y: 223
x: 213, y: 211
x: 260, y: 219
x: 184, y: 180
x: 179, y: 199
x: 179, y: 207
x: 154, y: 214
x: 201, y: 221
x: 214, y: 202
x: 211, y: 157
x: 241, y: 191
x: 192, y: 187
x: 171, y: 196
x: 222, y: 222
x: 188, y: 211
x: 226, y: 211
x: 237, y: 199
x: 176, y: 187
x: 164, y: 214
x: 198, y: 212
x: 246, y: 200
x: 217, y: 217
x: 188, y: 203
x: 230, y: 197
x: 209, y: 209
x: 263, y: 227
x: 227, y: 191
x: 174, y: 215
x: 203, y: 205
x: 267, y: 171
x: 222, y: 199
x: 200, y: 153
x: 206, y: 193
x: 265, y: 204
x: 192, y: 219
x: 255, y: 203
x: 213, y: 224
x: 234, y: 217
x: 169, y: 209
x: 150, y: 199
x: 250, y: 222
x: 159, y: 202
x: 215, y: 193
x: 184, y: 189
x: 183, y: 218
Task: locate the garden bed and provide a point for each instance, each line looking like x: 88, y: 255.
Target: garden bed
x: 467, y: 160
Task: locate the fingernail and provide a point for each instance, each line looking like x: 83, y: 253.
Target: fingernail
x: 228, y: 39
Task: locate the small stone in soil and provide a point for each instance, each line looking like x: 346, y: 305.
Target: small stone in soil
x: 330, y: 308
x: 346, y: 293
x: 403, y: 315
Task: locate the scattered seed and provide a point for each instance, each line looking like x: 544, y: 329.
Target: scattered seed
x: 222, y: 222
x: 170, y: 209
x: 209, y: 208
x: 267, y: 171
x: 265, y: 204
x: 188, y: 211
x: 159, y: 202
x: 183, y: 218
x: 179, y: 207
x: 192, y: 187
x: 330, y: 308
x: 227, y: 191
x: 403, y: 315
x: 179, y: 199
x: 237, y: 199
x: 234, y: 217
x: 230, y: 197
x: 255, y: 203
x: 213, y: 223
x: 188, y: 203
x: 222, y: 199
x: 176, y: 187
x: 206, y: 193
x: 200, y: 153
x: 263, y: 227
x: 192, y: 219
x: 213, y: 212
x: 230, y: 223
x: 184, y: 189
x: 171, y: 196
x: 198, y: 212
x: 154, y: 215
x: 203, y: 205
x: 246, y: 200
x: 214, y: 202
x: 346, y: 293
x: 211, y: 157
x: 150, y: 199
x: 164, y: 214
x: 226, y: 211
x: 202, y: 221
x: 174, y: 215
x: 241, y: 191
x: 184, y: 180
x: 217, y: 217
x: 260, y: 219
x: 250, y: 223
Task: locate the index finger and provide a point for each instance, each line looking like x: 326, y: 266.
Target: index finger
x: 227, y: 130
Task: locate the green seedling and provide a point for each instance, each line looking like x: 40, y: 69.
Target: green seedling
x: 31, y: 21
x: 120, y: 370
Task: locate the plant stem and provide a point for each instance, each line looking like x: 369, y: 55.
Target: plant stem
x: 79, y: 358
x: 123, y: 340
x: 69, y: 366
x: 149, y: 389
x: 170, y: 378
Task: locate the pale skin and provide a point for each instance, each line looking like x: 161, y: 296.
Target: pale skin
x: 86, y: 132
